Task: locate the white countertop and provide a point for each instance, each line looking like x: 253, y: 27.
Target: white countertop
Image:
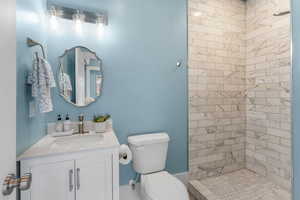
x: 69, y: 144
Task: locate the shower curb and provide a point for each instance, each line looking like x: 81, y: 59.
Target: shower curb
x: 200, y: 192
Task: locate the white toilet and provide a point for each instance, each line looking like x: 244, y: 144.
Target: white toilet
x: 149, y: 159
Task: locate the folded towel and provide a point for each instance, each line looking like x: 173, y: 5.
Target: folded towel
x: 42, y: 80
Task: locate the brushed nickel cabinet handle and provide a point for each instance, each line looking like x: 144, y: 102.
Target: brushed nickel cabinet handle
x: 71, y: 185
x: 78, y: 178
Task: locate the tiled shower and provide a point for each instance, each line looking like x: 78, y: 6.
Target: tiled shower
x: 239, y: 89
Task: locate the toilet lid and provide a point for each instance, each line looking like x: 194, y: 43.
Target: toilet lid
x: 163, y: 186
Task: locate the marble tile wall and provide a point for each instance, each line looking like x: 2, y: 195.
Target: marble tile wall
x: 239, y: 88
x: 217, y: 117
x: 268, y: 141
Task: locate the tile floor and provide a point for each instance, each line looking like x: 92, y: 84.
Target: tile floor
x: 239, y: 185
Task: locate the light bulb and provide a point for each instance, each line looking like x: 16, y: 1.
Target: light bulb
x: 100, y: 24
x: 78, y: 25
x: 78, y: 22
x: 101, y: 28
x: 53, y: 21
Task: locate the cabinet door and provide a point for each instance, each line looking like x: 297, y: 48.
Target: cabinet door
x: 53, y: 181
x: 94, y: 177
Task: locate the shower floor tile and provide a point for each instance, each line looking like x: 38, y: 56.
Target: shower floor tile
x: 239, y: 185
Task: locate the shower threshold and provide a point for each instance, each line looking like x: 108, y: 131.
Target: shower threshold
x: 238, y: 185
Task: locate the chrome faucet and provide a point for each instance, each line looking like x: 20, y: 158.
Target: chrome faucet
x: 81, y: 124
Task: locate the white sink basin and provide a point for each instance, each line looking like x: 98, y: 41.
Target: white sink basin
x: 79, y: 139
x: 50, y: 145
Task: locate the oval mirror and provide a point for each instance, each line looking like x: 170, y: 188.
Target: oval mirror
x: 80, y: 76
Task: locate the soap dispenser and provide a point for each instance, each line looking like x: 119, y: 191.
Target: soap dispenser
x: 59, y: 124
x: 67, y: 123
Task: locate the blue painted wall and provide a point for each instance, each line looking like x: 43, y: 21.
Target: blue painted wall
x: 296, y: 97
x: 30, y: 23
x: 143, y: 89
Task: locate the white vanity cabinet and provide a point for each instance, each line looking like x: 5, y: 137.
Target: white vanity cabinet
x: 82, y: 175
x: 50, y: 181
x: 94, y: 177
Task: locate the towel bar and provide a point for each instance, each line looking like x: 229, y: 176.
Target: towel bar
x: 32, y: 43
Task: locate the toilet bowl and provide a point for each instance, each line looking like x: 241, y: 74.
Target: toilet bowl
x: 149, y: 159
x: 162, y: 186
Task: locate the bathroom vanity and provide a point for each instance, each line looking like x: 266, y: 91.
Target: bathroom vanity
x: 80, y: 167
x: 83, y: 166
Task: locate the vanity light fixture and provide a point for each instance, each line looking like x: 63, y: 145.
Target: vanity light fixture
x: 79, y: 16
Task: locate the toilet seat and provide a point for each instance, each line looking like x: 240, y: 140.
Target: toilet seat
x: 162, y: 186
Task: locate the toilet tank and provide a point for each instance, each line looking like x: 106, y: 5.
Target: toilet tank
x: 149, y: 152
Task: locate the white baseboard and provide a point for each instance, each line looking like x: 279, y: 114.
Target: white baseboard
x: 126, y: 193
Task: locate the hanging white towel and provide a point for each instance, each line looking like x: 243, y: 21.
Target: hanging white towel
x: 42, y: 80
x: 65, y: 85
